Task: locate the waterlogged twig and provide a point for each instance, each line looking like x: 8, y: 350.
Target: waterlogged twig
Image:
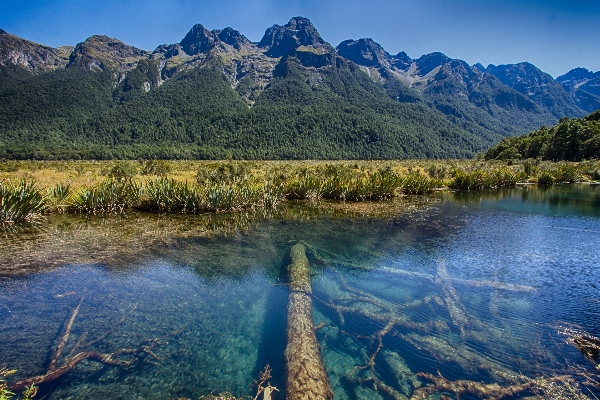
x: 475, y: 389
x: 53, y: 372
x: 63, y: 340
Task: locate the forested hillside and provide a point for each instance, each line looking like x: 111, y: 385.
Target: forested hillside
x: 572, y: 139
x: 217, y: 95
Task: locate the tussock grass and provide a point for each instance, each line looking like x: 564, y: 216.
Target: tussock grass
x: 109, y: 196
x: 216, y: 186
x: 21, y: 201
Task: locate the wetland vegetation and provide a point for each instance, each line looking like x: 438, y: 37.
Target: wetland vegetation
x: 29, y: 189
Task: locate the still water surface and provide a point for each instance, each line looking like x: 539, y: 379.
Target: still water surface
x: 476, y: 286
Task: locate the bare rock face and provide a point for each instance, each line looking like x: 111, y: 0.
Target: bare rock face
x: 200, y: 40
x: 31, y: 56
x: 105, y: 53
x: 364, y: 52
x: 280, y: 40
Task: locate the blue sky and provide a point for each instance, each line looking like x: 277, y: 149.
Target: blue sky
x: 554, y: 35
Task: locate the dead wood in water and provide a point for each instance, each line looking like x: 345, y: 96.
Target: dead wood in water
x: 305, y: 374
x: 63, y: 340
x: 511, y: 287
x: 475, y: 389
x: 115, y: 358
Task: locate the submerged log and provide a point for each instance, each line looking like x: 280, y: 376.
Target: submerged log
x: 511, y: 287
x: 305, y: 374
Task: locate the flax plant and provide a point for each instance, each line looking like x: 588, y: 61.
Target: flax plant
x: 109, y: 196
x: 20, y: 202
x: 168, y: 195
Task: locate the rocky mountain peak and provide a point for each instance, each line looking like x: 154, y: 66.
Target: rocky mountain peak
x: 197, y: 40
x: 479, y: 67
x: 576, y: 75
x: 429, y: 62
x: 102, y: 52
x: 28, y: 55
x: 200, y: 40
x: 232, y: 37
x: 401, y: 61
x: 364, y: 52
x: 521, y: 74
x: 299, y: 31
x: 539, y: 86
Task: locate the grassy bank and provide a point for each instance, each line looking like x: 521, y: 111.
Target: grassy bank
x: 29, y: 189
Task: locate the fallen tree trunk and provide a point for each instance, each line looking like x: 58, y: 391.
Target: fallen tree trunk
x: 305, y: 374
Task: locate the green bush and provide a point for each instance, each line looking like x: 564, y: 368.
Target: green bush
x: 418, y: 184
x: 156, y: 167
x: 122, y: 170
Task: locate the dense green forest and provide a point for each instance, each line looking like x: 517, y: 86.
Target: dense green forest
x: 572, y: 139
x: 338, y: 113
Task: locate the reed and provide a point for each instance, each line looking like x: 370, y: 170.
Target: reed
x: 20, y: 202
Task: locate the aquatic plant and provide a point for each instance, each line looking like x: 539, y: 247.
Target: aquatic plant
x: 109, y: 196
x: 419, y: 184
x: 482, y: 179
x: 545, y: 178
x: 221, y: 197
x: 504, y: 177
x: 468, y: 180
x: 304, y: 184
x: 19, y: 202
x: 384, y: 183
x: 6, y: 394
x: 168, y: 195
x: 59, y: 196
x: 272, y: 193
x: 566, y: 173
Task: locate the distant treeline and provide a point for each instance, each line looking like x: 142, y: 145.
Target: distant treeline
x: 572, y: 139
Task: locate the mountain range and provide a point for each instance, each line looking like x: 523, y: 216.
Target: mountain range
x: 216, y: 94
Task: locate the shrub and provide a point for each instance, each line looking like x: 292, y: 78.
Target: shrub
x: 156, y: 167
x: 122, y: 170
x: 58, y: 197
x: 419, y: 184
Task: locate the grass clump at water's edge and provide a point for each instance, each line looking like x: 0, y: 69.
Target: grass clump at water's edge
x: 21, y: 201
x: 164, y: 186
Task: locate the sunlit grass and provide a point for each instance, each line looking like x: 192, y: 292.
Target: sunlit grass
x: 21, y: 201
x: 216, y: 186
